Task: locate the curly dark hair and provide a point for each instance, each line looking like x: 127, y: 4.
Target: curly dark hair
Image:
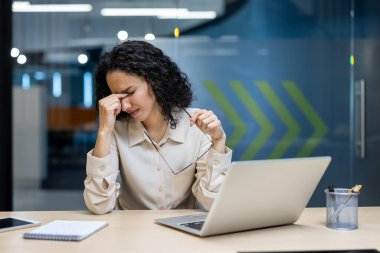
x: 170, y: 86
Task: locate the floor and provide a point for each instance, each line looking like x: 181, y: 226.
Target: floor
x: 61, y: 190
x: 29, y: 199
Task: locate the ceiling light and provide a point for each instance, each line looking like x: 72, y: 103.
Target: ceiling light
x: 39, y: 75
x: 57, y: 84
x: 21, y: 59
x: 87, y: 89
x: 142, y: 11
x: 27, y: 7
x: 25, y: 81
x: 82, y: 59
x: 190, y: 15
x: 149, y: 36
x: 15, y: 52
x: 122, y: 35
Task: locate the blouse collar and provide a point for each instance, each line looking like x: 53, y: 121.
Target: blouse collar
x: 136, y: 129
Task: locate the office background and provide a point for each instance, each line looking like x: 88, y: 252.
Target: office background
x: 288, y: 78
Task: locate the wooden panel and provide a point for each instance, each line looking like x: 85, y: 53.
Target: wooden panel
x: 71, y: 118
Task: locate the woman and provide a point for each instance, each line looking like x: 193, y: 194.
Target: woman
x: 151, y: 151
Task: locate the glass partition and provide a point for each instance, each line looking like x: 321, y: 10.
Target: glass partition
x: 278, y: 73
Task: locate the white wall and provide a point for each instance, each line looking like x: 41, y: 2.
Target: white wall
x: 29, y: 136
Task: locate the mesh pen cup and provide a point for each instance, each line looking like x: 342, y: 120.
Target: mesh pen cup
x: 342, y: 209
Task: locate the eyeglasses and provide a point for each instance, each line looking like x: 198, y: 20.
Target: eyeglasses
x: 166, y: 162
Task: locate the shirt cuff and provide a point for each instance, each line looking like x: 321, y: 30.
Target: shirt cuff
x: 98, y: 167
x: 221, y: 162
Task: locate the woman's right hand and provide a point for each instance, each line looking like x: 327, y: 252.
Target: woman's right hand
x: 109, y: 108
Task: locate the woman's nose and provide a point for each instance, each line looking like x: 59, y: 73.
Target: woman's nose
x: 125, y: 104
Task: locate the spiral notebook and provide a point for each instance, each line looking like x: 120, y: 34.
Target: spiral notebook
x: 66, y: 230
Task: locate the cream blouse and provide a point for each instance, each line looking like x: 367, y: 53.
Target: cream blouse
x: 139, y: 178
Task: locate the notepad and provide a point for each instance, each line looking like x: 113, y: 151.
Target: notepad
x: 66, y: 230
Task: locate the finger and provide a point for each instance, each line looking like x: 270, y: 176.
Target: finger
x: 112, y: 109
x: 216, y: 125
x: 205, y: 115
x: 113, y: 97
x: 204, y: 118
x: 122, y: 95
x: 195, y: 116
x: 209, y: 119
x: 112, y: 102
x: 215, y: 130
x: 117, y: 111
x: 105, y: 101
x: 116, y: 95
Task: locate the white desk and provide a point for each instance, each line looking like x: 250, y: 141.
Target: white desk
x: 135, y: 231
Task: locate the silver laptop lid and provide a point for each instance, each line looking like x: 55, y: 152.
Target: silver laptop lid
x: 264, y: 193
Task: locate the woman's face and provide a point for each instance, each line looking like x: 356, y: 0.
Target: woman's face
x: 141, y: 102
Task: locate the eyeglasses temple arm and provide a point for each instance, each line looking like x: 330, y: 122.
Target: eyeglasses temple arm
x: 154, y: 145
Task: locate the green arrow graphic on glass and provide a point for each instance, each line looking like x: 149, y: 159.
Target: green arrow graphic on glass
x: 320, y: 129
x: 285, y: 116
x: 239, y: 126
x: 258, y: 115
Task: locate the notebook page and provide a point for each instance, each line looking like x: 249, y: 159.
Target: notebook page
x: 66, y: 230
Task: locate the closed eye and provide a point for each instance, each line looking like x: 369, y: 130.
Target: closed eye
x: 128, y: 91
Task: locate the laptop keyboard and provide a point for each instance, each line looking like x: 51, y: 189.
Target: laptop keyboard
x: 195, y: 225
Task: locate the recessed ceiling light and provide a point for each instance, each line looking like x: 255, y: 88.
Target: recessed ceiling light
x: 82, y: 59
x: 190, y: 15
x: 149, y: 36
x: 21, y: 59
x: 122, y: 35
x: 28, y: 7
x: 15, y: 52
x: 142, y: 11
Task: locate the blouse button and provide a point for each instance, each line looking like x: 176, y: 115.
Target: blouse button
x: 102, y: 168
x: 158, y: 168
x: 160, y: 189
x: 216, y: 162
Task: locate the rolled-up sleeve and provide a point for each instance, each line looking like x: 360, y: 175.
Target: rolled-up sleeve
x: 98, y: 199
x: 210, y: 176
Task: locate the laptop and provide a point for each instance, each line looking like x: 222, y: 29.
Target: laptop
x: 257, y: 194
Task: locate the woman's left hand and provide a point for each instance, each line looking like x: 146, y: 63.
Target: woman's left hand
x: 209, y: 123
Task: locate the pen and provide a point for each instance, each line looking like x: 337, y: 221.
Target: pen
x: 356, y: 188
x: 331, y: 188
x: 336, y: 213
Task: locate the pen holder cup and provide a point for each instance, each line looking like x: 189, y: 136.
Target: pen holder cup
x: 342, y: 209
